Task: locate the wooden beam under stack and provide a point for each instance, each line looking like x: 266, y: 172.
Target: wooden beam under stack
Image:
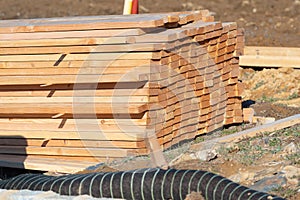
x: 70, y: 91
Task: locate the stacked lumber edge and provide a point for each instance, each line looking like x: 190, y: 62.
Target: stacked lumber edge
x: 76, y: 91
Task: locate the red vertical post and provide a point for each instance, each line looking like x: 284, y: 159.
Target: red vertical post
x: 135, y: 7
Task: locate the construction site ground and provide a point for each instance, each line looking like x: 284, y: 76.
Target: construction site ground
x: 274, y: 92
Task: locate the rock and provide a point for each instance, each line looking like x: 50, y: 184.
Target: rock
x: 286, y: 70
x: 194, y: 196
x: 245, y: 3
x: 182, y: 158
x: 206, y: 155
x: 291, y: 148
x: 269, y: 183
x: 263, y: 120
x: 292, y: 174
x: 242, y: 176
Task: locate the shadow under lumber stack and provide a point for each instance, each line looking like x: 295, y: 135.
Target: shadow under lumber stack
x: 76, y: 91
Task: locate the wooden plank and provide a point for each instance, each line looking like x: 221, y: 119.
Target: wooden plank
x: 252, y: 132
x: 72, y: 34
x: 73, y: 71
x: 65, y: 42
x: 270, y: 61
x: 73, y: 135
x: 67, y: 151
x: 77, y: 64
x: 80, y: 89
x: 69, y: 79
x: 67, y: 124
x: 69, y: 159
x: 91, y: 100
x: 96, y: 18
x: 277, y: 125
x: 272, y: 51
x: 65, y: 79
x: 37, y: 26
x: 85, y: 57
x: 79, y: 93
x: 43, y: 164
x: 67, y: 108
x: 111, y: 125
x: 62, y: 19
x: 86, y: 49
x: 17, y: 141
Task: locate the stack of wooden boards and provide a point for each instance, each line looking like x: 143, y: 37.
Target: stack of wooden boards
x: 76, y: 91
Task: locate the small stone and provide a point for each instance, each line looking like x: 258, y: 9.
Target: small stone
x: 182, y: 158
x: 269, y: 183
x: 292, y: 174
x: 242, y: 176
x: 286, y: 70
x: 194, y: 196
x: 278, y: 24
x: 245, y: 3
x: 291, y: 148
x: 206, y: 155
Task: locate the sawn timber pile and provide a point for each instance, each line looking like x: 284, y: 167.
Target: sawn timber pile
x: 95, y: 88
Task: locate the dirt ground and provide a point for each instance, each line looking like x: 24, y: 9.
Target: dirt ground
x: 275, y: 91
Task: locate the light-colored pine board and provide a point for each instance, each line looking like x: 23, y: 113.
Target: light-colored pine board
x: 272, y: 51
x: 78, y: 89
x: 74, y: 135
x: 72, y: 34
x: 70, y: 79
x: 79, y: 93
x: 74, y: 71
x: 84, y: 49
x: 270, y: 61
x: 111, y: 56
x: 100, y: 65
x: 67, y: 151
x: 91, y: 160
x: 17, y: 141
x: 64, y: 42
x: 43, y: 164
x: 70, y: 108
x: 97, y: 18
x: 70, y: 123
x: 37, y: 26
x: 277, y: 125
x: 112, y: 125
